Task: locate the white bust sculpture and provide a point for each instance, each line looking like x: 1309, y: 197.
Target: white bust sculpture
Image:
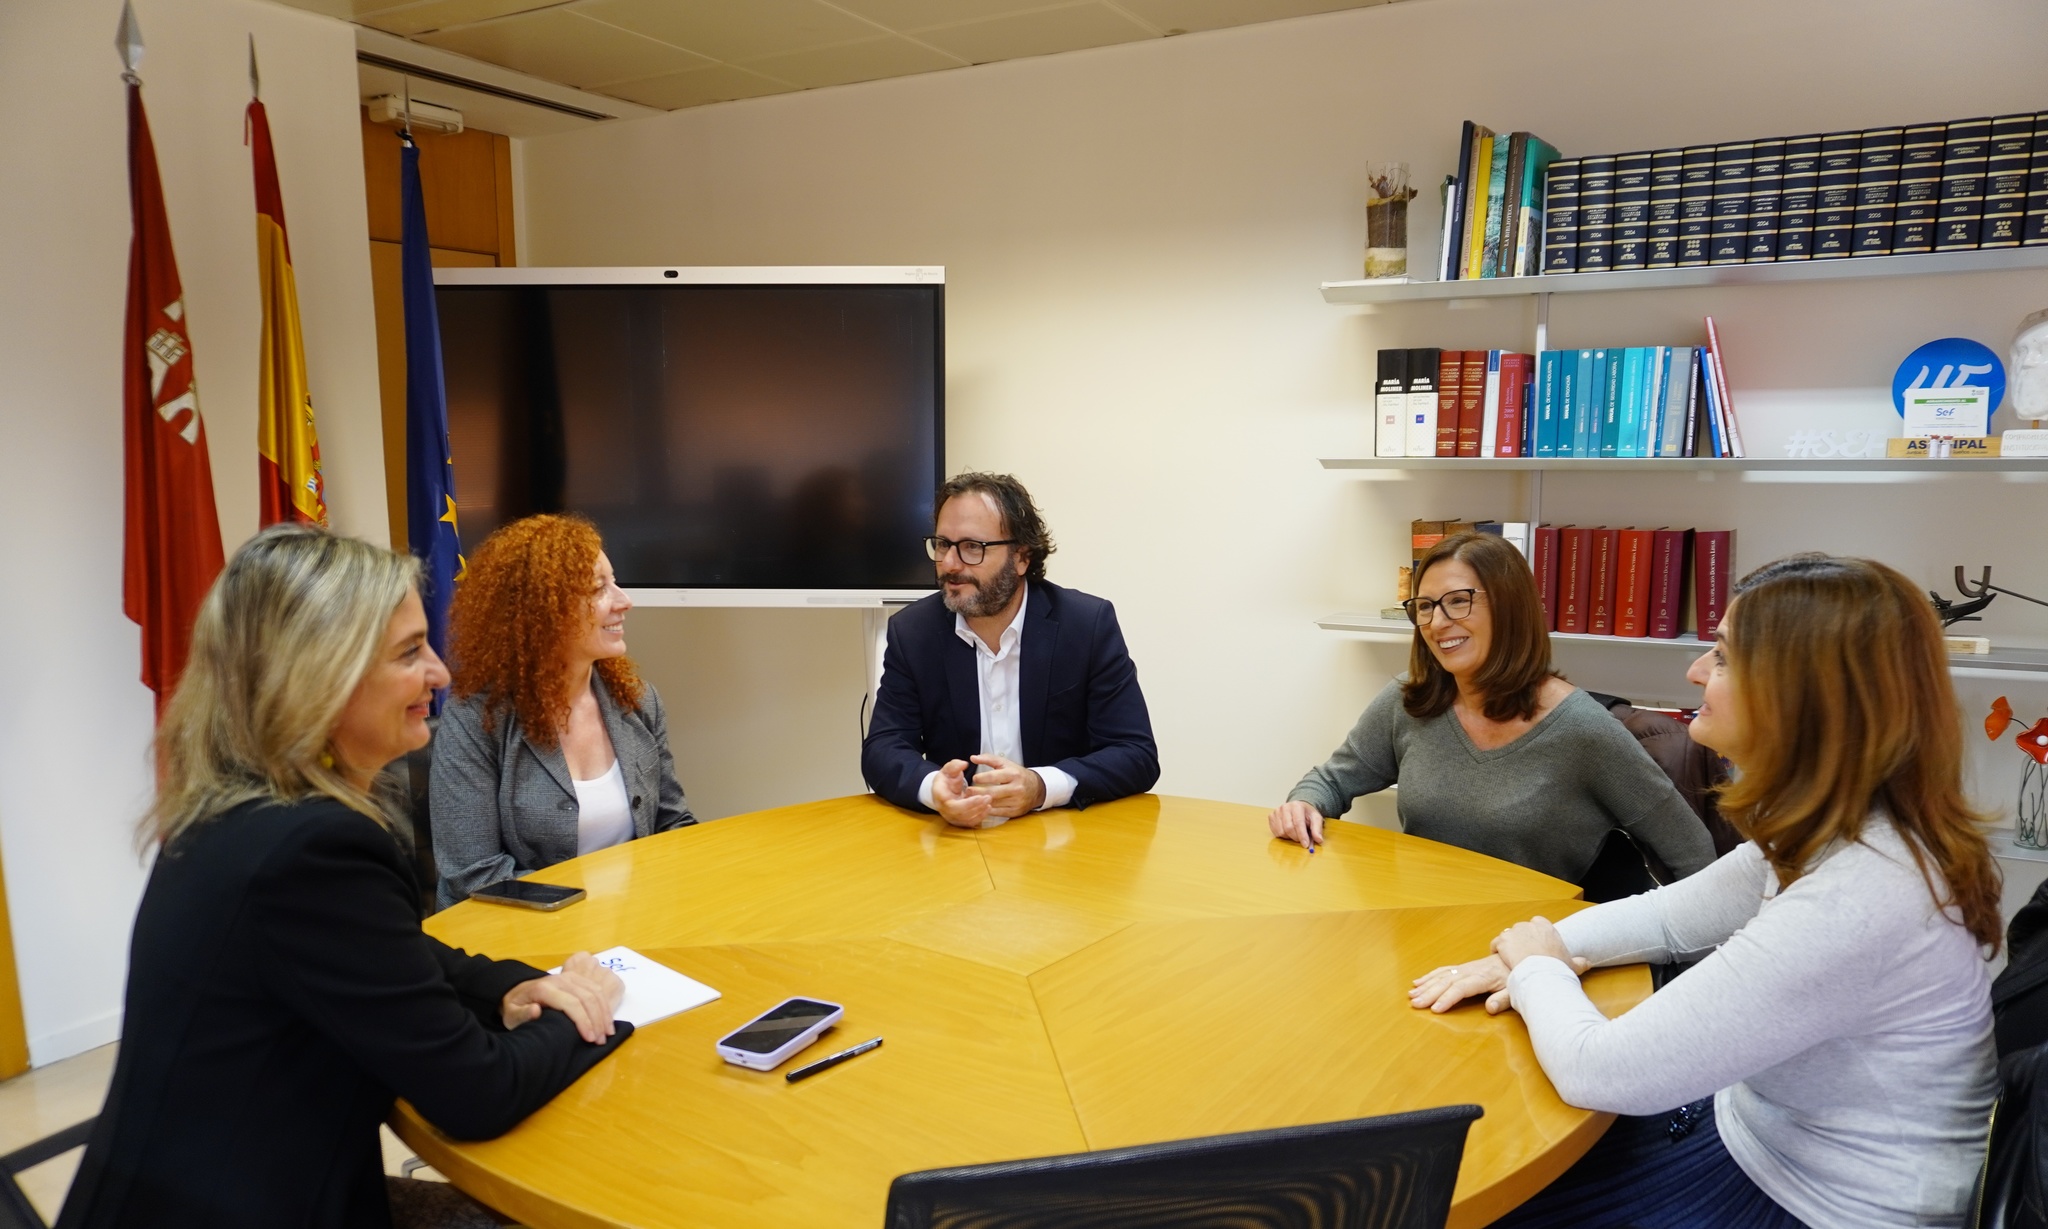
x: 2027, y: 368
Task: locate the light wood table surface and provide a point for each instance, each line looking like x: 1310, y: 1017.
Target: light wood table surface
x: 1149, y: 969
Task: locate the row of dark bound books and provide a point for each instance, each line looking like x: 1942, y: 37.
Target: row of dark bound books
x: 1956, y: 186
x: 1632, y: 582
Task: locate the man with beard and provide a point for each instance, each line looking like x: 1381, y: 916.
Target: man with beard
x: 1002, y: 669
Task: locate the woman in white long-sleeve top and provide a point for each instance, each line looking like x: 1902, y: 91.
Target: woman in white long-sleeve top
x: 1829, y: 1063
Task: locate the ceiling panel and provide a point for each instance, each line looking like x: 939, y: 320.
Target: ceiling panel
x: 867, y: 60
x: 410, y: 19
x: 719, y: 83
x: 560, y: 46
x: 909, y: 14
x: 1186, y: 16
x: 1040, y: 33
x: 733, y: 32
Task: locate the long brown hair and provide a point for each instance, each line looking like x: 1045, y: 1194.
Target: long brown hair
x: 525, y: 595
x: 1843, y: 684
x: 1517, y: 660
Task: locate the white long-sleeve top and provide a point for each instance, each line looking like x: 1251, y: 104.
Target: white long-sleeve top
x: 1843, y: 1025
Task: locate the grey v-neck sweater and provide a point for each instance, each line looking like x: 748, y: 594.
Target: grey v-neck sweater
x: 1545, y: 801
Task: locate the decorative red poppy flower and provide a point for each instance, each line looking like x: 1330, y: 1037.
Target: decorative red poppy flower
x: 2001, y: 717
x: 2034, y: 741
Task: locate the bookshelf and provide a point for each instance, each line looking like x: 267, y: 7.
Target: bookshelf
x: 1645, y: 465
x: 1390, y: 290
x: 1997, y: 662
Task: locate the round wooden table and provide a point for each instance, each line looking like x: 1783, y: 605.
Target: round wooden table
x: 1150, y: 969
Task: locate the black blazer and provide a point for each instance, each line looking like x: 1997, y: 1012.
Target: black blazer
x: 1080, y: 709
x: 280, y: 994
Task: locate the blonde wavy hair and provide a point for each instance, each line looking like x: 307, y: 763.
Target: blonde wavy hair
x: 283, y: 638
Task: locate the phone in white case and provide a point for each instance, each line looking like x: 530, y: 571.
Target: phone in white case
x: 764, y: 1042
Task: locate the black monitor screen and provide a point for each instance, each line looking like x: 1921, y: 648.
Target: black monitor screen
x: 721, y: 436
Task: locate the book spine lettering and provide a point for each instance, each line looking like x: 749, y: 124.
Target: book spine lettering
x: 1631, y: 210
x: 1604, y: 566
x: 1695, y: 205
x: 1796, y: 195
x: 1507, y: 441
x: 1666, y: 186
x: 1450, y: 395
x: 1489, y: 419
x: 2005, y: 181
x: 1919, y: 194
x: 1732, y: 161
x: 1834, y: 211
x: 1712, y: 560
x: 1561, y: 217
x: 1423, y: 403
x: 1574, y: 578
x: 1632, y: 585
x: 1471, y: 400
x: 1390, y: 400
x: 2036, y: 225
x: 1596, y: 214
x: 1609, y: 439
x: 1543, y: 562
x: 1877, y: 191
x: 1667, y: 584
x: 1966, y: 153
x: 1766, y: 185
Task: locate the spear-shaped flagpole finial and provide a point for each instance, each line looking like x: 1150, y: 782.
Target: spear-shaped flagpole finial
x: 128, y: 41
x: 255, y: 79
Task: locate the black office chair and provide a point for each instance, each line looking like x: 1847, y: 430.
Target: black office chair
x: 1391, y: 1172
x: 1621, y: 869
x: 2012, y: 1190
x: 406, y: 783
x: 16, y: 1212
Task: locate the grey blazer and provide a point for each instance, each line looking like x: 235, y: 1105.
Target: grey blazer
x: 504, y: 808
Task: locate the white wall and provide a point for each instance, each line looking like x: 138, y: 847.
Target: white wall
x: 74, y: 722
x: 1134, y: 237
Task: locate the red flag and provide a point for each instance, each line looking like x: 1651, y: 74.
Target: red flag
x: 172, y: 549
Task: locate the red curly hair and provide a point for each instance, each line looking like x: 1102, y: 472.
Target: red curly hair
x: 524, y: 597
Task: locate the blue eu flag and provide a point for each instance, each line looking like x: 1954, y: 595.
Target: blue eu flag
x: 429, y: 465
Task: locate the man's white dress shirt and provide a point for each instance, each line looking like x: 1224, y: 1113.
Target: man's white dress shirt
x: 999, y: 674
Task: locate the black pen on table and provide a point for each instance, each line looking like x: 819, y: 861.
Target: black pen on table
x: 832, y: 1060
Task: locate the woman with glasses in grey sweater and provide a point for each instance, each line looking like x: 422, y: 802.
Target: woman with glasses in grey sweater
x: 1492, y: 750
x: 1829, y: 1062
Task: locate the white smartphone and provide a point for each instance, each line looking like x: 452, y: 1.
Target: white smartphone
x: 764, y: 1042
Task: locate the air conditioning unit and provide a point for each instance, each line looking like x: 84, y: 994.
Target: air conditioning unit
x: 391, y: 109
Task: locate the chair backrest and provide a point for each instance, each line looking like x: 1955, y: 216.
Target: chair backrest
x: 408, y: 780
x: 1391, y: 1172
x: 2012, y: 1190
x: 16, y: 1212
x: 1619, y: 870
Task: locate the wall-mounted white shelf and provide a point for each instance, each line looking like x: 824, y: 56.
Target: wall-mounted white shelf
x: 1373, y: 627
x: 1387, y: 290
x: 1647, y: 465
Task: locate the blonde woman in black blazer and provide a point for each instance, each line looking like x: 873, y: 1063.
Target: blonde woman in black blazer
x: 280, y: 990
x: 552, y: 746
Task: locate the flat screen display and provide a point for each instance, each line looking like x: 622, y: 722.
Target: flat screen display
x: 720, y: 436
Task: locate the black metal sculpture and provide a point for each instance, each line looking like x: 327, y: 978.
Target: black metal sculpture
x: 1979, y: 595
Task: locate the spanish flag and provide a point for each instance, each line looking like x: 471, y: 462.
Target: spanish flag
x: 287, y: 448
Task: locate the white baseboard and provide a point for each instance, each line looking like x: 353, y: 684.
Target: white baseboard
x: 77, y: 1039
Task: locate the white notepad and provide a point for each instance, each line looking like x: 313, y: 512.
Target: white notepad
x: 653, y: 991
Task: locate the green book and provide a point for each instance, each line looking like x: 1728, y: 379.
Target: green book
x: 1528, y: 228
x: 1610, y: 414
x: 1496, y: 199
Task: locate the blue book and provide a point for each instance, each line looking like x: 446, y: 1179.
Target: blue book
x: 1647, y: 432
x: 1590, y: 364
x: 1713, y: 410
x: 1607, y: 403
x: 1678, y: 409
x: 1630, y: 411
x: 1543, y: 442
x: 1528, y: 412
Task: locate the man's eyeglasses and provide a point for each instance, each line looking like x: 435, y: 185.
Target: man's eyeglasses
x: 1456, y: 604
x: 971, y: 551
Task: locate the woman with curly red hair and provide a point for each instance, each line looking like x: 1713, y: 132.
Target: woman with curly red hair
x: 551, y: 745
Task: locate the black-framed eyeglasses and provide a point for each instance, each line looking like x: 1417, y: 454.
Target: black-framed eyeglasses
x: 971, y: 551
x: 1456, y: 604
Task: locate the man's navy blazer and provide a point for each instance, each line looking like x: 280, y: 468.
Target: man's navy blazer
x: 1080, y: 710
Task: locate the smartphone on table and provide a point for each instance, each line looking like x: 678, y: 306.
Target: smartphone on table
x: 765, y: 1041
x: 526, y: 894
